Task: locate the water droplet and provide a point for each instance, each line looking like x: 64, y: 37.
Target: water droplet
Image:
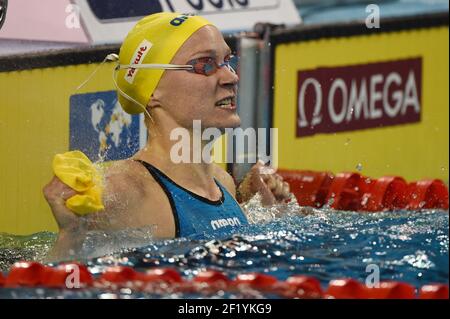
x: 443, y: 168
x: 364, y: 200
x: 359, y: 167
x: 126, y: 291
x: 347, y: 142
x: 330, y: 201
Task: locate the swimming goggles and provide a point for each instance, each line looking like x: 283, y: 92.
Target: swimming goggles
x: 205, y: 65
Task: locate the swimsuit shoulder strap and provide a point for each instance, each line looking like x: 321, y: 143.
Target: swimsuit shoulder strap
x: 159, y: 178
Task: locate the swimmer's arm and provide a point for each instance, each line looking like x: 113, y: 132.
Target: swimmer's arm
x: 68, y: 243
x: 245, y: 194
x: 71, y: 227
x: 116, y: 196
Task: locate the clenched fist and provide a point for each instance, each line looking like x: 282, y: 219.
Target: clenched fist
x: 264, y: 180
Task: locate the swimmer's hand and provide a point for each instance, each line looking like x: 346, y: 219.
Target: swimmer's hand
x: 72, y: 230
x: 264, y: 180
x: 57, y: 193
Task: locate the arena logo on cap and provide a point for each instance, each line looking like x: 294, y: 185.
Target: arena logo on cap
x: 180, y: 19
x: 139, y: 56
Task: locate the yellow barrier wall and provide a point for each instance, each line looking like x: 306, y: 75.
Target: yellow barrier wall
x: 414, y: 151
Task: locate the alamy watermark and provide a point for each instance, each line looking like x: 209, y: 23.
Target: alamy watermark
x: 73, y: 277
x: 373, y: 19
x: 373, y: 279
x: 73, y: 16
x: 243, y: 146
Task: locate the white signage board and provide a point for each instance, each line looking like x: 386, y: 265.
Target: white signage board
x: 110, y: 21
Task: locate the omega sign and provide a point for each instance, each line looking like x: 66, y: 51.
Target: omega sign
x: 337, y: 99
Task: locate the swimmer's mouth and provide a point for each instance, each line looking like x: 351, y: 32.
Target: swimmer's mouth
x: 227, y: 103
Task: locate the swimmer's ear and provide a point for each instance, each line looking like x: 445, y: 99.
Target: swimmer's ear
x: 154, y: 102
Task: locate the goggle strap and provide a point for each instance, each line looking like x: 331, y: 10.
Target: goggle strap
x: 129, y: 98
x: 156, y: 66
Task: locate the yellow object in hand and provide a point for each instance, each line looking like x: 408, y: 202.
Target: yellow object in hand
x: 76, y: 171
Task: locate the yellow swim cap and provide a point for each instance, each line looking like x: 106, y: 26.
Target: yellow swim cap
x: 154, y: 39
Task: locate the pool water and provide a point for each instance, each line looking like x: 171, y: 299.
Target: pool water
x: 406, y: 246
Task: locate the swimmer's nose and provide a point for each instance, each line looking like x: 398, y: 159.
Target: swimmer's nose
x: 228, y: 77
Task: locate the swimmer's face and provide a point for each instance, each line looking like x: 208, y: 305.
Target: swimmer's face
x: 190, y: 96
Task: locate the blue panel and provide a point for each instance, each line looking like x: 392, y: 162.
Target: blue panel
x: 100, y: 128
x: 106, y: 9
x: 331, y: 11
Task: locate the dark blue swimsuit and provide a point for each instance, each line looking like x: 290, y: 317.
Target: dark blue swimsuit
x: 198, y: 216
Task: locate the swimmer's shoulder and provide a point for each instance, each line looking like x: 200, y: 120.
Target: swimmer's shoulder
x: 131, y: 190
x: 120, y: 196
x: 225, y: 179
x: 130, y: 177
